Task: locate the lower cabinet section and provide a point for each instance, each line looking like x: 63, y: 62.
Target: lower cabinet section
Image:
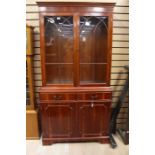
x: 75, y: 120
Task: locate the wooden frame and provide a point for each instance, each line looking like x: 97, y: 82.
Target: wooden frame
x: 32, y: 126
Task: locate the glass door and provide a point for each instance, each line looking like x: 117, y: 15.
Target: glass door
x: 59, y: 49
x: 93, y: 48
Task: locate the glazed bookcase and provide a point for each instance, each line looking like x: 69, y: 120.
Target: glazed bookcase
x: 76, y: 46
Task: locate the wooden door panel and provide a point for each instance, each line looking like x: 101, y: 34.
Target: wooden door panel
x: 93, y: 119
x: 59, y: 119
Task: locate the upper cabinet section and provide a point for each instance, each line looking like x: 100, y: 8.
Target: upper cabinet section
x: 76, y: 43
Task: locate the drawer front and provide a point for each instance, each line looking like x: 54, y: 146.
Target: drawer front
x: 56, y: 97
x: 94, y: 96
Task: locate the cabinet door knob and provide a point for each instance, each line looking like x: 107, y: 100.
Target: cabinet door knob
x: 55, y: 97
x: 92, y: 104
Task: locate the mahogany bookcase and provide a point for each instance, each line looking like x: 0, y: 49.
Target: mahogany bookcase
x: 76, y: 46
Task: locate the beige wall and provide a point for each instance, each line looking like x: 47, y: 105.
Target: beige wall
x: 120, y: 51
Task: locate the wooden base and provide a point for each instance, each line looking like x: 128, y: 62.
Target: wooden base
x: 49, y: 141
x: 32, y: 127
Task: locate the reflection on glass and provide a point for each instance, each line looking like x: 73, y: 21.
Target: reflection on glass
x: 93, y: 49
x: 59, y: 49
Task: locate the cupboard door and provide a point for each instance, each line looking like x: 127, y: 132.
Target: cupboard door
x: 93, y: 118
x: 93, y: 49
x: 58, y: 120
x: 58, y: 49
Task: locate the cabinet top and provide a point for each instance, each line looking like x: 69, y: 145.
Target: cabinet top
x: 76, y: 3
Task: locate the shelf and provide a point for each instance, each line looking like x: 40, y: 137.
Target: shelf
x: 93, y: 63
x: 80, y: 63
x: 59, y: 63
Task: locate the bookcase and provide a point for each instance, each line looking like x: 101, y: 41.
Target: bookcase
x: 76, y: 46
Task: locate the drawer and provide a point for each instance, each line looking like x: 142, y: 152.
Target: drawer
x: 94, y: 96
x: 56, y: 97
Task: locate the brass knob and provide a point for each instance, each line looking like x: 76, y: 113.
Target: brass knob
x: 92, y: 104
x: 55, y: 97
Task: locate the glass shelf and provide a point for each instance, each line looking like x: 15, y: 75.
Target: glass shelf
x: 59, y: 63
x: 89, y: 63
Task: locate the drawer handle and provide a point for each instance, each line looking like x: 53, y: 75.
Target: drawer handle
x: 93, y: 97
x: 55, y: 97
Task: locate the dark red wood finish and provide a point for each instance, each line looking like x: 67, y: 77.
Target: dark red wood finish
x: 75, y: 112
